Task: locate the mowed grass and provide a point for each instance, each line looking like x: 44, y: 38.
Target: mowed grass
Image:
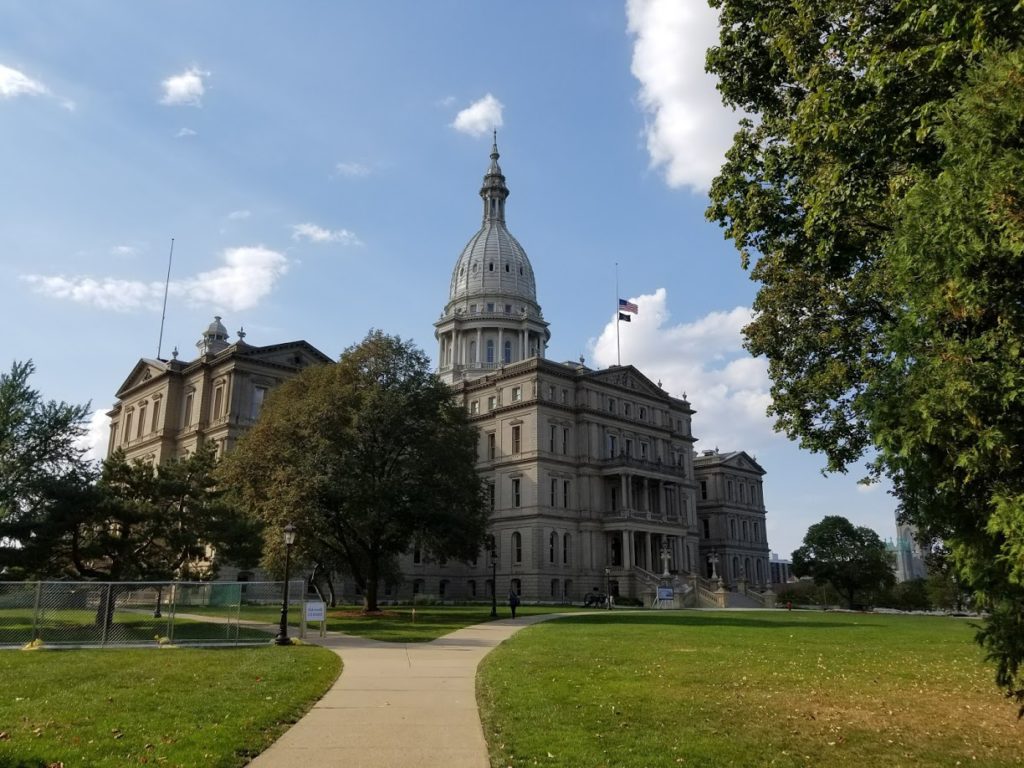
x: 166, y: 707
x: 399, y: 624
x: 642, y: 690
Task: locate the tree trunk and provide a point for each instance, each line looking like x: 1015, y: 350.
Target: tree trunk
x: 105, y: 607
x: 370, y: 601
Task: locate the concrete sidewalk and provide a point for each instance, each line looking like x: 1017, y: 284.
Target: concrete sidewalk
x: 398, y: 705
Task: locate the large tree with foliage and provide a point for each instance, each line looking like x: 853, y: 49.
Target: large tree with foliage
x: 367, y: 457
x: 877, y: 195
x: 42, y: 460
x: 140, y: 522
x: 850, y: 558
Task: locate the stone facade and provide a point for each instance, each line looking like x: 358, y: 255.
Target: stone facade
x: 166, y: 408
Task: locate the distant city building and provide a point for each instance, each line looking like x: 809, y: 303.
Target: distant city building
x: 781, y: 571
x: 910, y: 563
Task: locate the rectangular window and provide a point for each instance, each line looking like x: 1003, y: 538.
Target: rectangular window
x: 629, y: 447
x: 472, y: 309
x: 565, y: 494
x: 728, y: 490
x: 491, y: 446
x: 704, y: 489
x: 490, y: 496
x: 142, y: 422
x: 516, y: 439
x: 565, y: 395
x: 474, y: 407
x: 613, y: 445
x: 551, y: 394
x: 127, y: 434
x: 626, y: 409
x: 611, y: 405
x: 554, y: 492
x: 186, y: 413
x: 565, y: 440
x: 259, y: 394
x: 156, y: 416
x: 643, y: 451
x: 517, y: 394
x: 707, y: 528
x: 508, y: 309
x: 490, y: 306
x: 218, y: 402
x: 491, y: 403
x: 554, y: 431
x: 516, y: 497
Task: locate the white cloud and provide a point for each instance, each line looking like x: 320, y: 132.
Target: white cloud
x: 247, y: 276
x: 705, y: 360
x: 185, y: 133
x: 124, y: 250
x: 239, y: 215
x: 316, y: 234
x: 353, y: 170
x: 97, y: 436
x: 14, y: 83
x: 480, y: 117
x: 186, y: 89
x: 689, y: 129
x: 447, y: 101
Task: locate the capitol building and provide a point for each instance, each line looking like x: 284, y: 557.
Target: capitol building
x: 592, y: 477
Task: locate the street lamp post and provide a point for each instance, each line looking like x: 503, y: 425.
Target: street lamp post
x: 494, y: 581
x: 289, y: 539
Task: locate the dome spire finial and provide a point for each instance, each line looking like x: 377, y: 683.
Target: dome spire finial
x: 494, y: 192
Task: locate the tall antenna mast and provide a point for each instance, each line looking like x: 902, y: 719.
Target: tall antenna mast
x: 163, y: 314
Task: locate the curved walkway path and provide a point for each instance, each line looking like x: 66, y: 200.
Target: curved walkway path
x: 398, y: 705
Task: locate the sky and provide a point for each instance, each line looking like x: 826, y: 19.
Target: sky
x: 317, y: 165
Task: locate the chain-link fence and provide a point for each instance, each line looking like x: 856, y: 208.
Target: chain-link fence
x: 95, y: 613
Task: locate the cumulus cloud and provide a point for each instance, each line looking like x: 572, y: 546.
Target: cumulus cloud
x: 352, y: 170
x: 688, y: 129
x: 705, y: 360
x: 96, y: 437
x: 247, y: 275
x: 239, y: 215
x: 316, y: 234
x: 124, y: 250
x: 480, y: 117
x: 186, y: 89
x: 185, y: 133
x: 14, y: 83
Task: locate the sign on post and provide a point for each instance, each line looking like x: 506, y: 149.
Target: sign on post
x: 666, y: 593
x: 315, y: 610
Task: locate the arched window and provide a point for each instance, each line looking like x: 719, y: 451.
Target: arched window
x: 552, y: 546
x: 732, y: 528
x: 566, y: 549
x: 735, y: 567
x: 517, y: 547
x: 746, y: 568
x: 554, y: 588
x: 490, y: 350
x: 745, y: 531
x: 507, y: 352
x: 760, y: 572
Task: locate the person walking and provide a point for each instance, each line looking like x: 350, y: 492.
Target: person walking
x: 513, y: 601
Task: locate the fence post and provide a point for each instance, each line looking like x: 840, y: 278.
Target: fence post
x: 172, y: 609
x: 107, y: 617
x: 35, y: 610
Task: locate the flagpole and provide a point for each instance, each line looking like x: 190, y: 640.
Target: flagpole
x: 163, y: 314
x: 618, y: 348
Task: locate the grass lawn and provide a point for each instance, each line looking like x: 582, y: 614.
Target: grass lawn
x: 169, y: 707
x: 641, y: 690
x: 398, y: 625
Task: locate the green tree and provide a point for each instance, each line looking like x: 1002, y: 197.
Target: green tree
x: 850, y: 558
x: 42, y: 461
x: 367, y: 457
x: 877, y: 195
x: 140, y: 522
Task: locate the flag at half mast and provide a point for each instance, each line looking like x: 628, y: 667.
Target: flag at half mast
x: 628, y: 306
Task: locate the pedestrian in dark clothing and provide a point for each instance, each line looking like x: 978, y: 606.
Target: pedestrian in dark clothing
x: 513, y: 601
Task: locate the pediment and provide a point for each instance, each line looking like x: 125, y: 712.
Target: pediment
x: 144, y: 370
x: 629, y: 378
x: 743, y: 460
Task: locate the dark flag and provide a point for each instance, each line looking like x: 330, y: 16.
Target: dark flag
x: 625, y: 318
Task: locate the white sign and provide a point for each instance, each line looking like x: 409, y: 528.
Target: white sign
x: 316, y: 611
x: 665, y: 593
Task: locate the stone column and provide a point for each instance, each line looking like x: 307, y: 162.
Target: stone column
x: 627, y: 561
x: 479, y: 345
x: 501, y: 346
x: 648, y: 560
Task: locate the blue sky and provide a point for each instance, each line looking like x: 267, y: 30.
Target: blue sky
x: 318, y: 165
